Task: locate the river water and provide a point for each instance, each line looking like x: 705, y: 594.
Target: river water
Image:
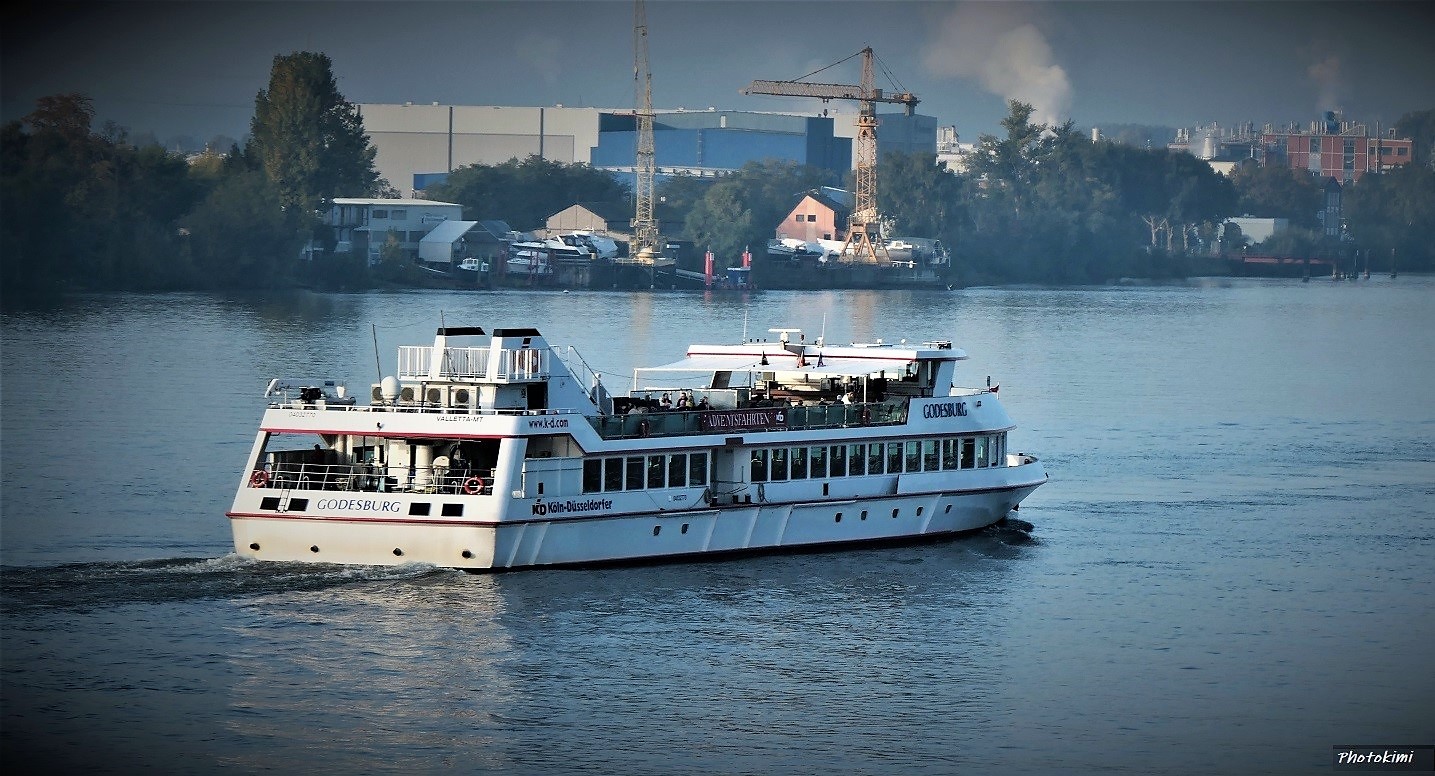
x: 1230, y: 570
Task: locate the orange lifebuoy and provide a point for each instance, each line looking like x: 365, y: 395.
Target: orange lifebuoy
x: 259, y: 478
x: 473, y: 486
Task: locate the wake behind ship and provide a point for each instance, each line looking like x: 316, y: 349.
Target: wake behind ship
x: 498, y: 451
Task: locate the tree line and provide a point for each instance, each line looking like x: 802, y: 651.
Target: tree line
x: 91, y: 209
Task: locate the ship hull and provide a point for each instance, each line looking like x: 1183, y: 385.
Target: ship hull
x: 717, y: 530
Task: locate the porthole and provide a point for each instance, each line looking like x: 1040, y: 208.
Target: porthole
x: 919, y: 511
x: 398, y: 552
x: 894, y: 513
x: 948, y: 510
x: 657, y: 529
x: 313, y: 548
x: 254, y: 546
x: 864, y: 514
x: 839, y: 518
x: 685, y: 527
x: 467, y: 554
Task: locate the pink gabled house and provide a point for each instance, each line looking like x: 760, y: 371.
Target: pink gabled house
x: 820, y: 214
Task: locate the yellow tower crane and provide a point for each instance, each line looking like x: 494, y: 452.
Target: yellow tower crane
x: 865, y: 221
x: 645, y: 246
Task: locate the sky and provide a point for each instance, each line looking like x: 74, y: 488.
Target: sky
x: 193, y: 68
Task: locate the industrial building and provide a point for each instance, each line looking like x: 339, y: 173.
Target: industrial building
x: 1329, y: 148
x: 419, y: 145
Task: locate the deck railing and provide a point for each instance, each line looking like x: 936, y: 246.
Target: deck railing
x: 371, y: 478
x: 680, y: 423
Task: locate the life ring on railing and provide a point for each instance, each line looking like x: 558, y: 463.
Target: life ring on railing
x: 259, y: 479
x: 473, y: 486
x: 866, y: 415
x: 643, y: 428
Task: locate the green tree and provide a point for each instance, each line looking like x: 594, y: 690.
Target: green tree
x: 238, y: 238
x: 88, y: 210
x: 308, y: 139
x: 1394, y: 212
x: 525, y: 193
x: 721, y: 220
x: 1419, y: 126
x: 1278, y: 192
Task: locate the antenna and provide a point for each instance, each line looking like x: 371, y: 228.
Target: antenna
x: 744, y: 324
x: 822, y: 338
x: 377, y: 366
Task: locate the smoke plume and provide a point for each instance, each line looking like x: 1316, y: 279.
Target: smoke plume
x: 1329, y: 81
x: 994, y: 44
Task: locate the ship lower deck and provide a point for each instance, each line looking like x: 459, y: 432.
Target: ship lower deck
x: 566, y: 541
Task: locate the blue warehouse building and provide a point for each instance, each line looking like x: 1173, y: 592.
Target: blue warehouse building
x: 706, y: 143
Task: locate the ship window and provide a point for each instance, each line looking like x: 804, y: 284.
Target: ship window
x: 839, y: 518
x: 799, y: 463
x: 400, y: 214
x: 817, y: 462
x: 698, y: 469
x: 949, y: 453
x: 894, y: 457
x: 634, y: 478
x: 269, y: 502
x: 657, y: 468
x: 982, y: 451
x: 381, y: 214
x: 874, y: 458
x: 864, y: 514
x: 612, y: 474
x: 778, y: 472
x: 420, y: 508
x: 930, y: 462
x: 894, y: 513
x: 992, y: 450
x: 857, y: 459
x: 914, y: 456
x: 968, y: 452
x: 677, y: 470
x: 837, y: 461
x: 453, y: 510
x: 919, y: 511
x: 759, y: 466
x: 592, y: 475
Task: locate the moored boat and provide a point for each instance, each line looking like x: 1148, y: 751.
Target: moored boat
x: 498, y: 451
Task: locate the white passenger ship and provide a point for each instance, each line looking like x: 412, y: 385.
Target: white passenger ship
x: 498, y: 451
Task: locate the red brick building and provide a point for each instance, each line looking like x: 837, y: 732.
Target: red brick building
x: 1334, y: 149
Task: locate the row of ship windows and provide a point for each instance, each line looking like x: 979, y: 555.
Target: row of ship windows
x: 636, y: 472
x: 925, y: 455
x: 777, y: 464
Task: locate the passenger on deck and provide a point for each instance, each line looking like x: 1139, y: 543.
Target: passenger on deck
x: 703, y: 404
x: 666, y: 402
x: 682, y: 401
